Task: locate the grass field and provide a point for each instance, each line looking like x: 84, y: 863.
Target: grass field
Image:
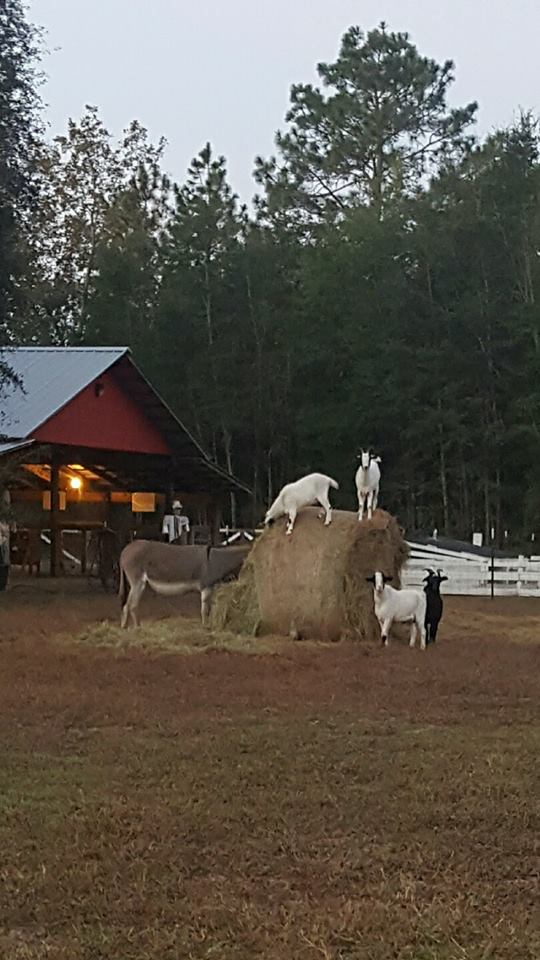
x: 303, y: 802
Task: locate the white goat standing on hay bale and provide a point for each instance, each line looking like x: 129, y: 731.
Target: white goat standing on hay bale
x: 404, y: 606
x: 304, y: 492
x: 367, y: 480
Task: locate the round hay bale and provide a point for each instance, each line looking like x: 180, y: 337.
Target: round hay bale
x: 313, y: 583
x: 235, y: 606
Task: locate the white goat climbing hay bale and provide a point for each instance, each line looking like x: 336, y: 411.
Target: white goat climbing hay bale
x: 302, y: 493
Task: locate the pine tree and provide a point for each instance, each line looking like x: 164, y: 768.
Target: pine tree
x: 381, y: 127
x: 19, y: 132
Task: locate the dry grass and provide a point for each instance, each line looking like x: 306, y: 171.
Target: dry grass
x: 338, y: 802
x: 180, y: 635
x: 483, y: 620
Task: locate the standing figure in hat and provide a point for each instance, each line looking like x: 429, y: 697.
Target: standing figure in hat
x: 175, y: 524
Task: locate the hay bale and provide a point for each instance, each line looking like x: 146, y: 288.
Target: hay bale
x: 312, y: 584
x: 235, y: 606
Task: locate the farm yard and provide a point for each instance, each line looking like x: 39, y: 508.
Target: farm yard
x: 176, y: 794
x: 253, y: 773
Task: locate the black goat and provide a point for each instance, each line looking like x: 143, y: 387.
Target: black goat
x: 434, y: 605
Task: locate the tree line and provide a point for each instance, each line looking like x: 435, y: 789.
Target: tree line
x: 381, y: 290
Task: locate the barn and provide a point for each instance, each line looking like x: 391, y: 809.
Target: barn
x: 86, y: 443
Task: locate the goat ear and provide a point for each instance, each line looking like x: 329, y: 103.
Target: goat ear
x: 377, y: 459
x: 371, y: 579
x: 387, y: 579
x: 443, y: 579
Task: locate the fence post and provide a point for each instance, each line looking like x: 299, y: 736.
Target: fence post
x: 492, y: 570
x: 521, y: 561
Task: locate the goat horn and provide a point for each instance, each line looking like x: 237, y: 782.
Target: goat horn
x: 431, y: 572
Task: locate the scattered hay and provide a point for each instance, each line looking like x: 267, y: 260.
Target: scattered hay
x: 313, y: 584
x: 178, y: 635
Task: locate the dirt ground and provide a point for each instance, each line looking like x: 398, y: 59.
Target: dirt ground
x: 338, y: 802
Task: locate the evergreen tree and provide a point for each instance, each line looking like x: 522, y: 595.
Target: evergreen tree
x: 82, y: 174
x: 19, y: 131
x: 200, y: 322
x: 383, y: 125
x: 128, y: 265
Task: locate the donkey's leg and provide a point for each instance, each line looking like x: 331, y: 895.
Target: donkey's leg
x: 125, y: 608
x: 206, y: 594
x: 132, y: 603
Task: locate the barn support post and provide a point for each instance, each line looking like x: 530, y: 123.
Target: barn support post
x: 56, y: 534
x: 214, y: 522
x: 169, y: 496
x: 84, y: 551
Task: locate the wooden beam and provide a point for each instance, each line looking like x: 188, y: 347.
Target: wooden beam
x: 83, y: 551
x: 56, y: 534
x: 214, y: 522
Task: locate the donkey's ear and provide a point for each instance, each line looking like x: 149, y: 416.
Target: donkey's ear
x: 371, y: 579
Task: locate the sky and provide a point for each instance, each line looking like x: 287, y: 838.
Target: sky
x: 221, y: 70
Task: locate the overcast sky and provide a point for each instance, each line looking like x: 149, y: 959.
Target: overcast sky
x: 220, y: 70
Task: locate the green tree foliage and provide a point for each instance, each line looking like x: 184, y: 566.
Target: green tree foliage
x: 384, y: 292
x: 128, y: 263
x: 478, y: 233
x: 19, y: 129
x: 83, y: 175
x: 382, y: 126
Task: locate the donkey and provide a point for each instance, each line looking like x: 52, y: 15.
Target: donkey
x: 170, y: 570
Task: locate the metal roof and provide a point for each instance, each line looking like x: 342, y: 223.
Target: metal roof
x: 459, y: 546
x: 50, y: 377
x: 10, y: 447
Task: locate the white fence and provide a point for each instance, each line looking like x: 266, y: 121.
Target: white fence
x: 468, y: 573
x: 474, y: 575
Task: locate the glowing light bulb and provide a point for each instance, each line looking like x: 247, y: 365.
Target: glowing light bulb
x: 75, y: 483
